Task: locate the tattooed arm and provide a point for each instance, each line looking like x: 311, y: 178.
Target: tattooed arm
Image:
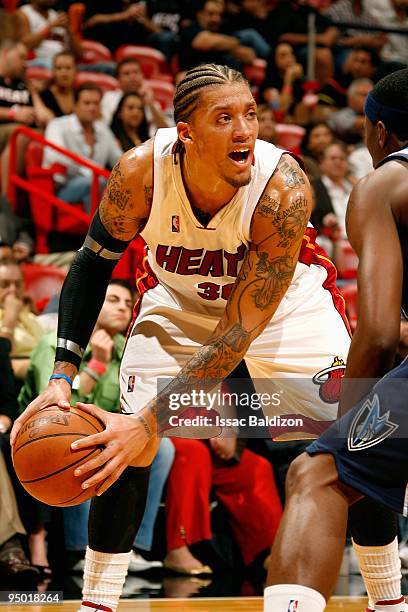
x: 122, y: 214
x: 125, y: 206
x: 277, y: 230
x: 278, y: 226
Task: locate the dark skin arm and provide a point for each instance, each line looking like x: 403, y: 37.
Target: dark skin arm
x: 372, y: 231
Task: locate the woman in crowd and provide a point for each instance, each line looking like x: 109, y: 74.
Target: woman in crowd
x: 317, y: 137
x: 282, y: 88
x: 59, y: 97
x: 129, y: 123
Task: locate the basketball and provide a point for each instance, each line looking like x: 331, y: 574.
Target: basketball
x: 43, y: 459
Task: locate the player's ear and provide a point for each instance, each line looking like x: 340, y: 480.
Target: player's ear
x: 383, y: 134
x: 184, y: 134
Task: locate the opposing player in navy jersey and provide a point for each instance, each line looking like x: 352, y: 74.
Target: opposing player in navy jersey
x: 365, y: 453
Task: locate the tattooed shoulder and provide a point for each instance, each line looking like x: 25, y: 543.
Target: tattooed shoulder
x: 291, y: 172
x: 268, y: 205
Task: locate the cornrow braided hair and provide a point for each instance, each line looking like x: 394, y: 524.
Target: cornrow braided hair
x: 188, y: 90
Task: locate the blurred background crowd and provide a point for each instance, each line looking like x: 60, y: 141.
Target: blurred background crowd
x: 80, y: 83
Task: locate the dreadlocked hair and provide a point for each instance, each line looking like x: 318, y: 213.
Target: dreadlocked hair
x: 188, y: 90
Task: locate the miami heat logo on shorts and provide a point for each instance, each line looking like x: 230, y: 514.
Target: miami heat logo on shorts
x: 329, y: 381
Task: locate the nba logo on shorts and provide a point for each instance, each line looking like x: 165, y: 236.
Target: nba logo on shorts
x: 175, y: 224
x: 293, y: 605
x: 131, y: 383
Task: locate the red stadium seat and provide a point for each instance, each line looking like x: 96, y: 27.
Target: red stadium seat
x: 42, y: 282
x: 38, y: 73
x: 255, y: 72
x: 46, y: 217
x: 289, y: 136
x: 349, y: 292
x: 152, y: 61
x: 94, y: 52
x: 345, y: 259
x: 163, y: 92
x: 104, y: 81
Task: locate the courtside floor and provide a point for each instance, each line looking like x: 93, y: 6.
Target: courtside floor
x: 240, y: 604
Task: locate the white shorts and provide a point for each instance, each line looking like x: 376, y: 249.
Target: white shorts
x: 303, y: 346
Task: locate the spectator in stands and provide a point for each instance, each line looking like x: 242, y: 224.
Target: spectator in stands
x: 204, y: 41
x: 6, y: 251
x: 25, y: 330
x: 13, y: 230
x: 129, y: 123
x: 282, y: 87
x: 361, y: 63
x: 267, y: 123
x: 131, y: 80
x: 96, y: 383
x: 59, y: 97
x: 83, y: 134
x: 169, y: 15
x: 332, y: 192
x: 116, y: 23
x: 348, y: 123
x: 45, y: 31
x: 23, y: 248
x: 254, y: 15
x: 290, y: 20
x: 164, y: 17
x: 243, y: 483
x: 249, y: 24
x: 18, y: 104
x: 392, y: 14
x: 13, y: 561
x: 356, y: 13
x: 317, y: 137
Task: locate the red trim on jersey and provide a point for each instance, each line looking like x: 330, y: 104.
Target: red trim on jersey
x: 144, y: 276
x: 313, y: 254
x: 95, y: 606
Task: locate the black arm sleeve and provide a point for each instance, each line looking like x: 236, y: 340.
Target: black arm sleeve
x: 84, y: 290
x: 8, y: 393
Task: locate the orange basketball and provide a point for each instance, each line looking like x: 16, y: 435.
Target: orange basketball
x: 43, y: 459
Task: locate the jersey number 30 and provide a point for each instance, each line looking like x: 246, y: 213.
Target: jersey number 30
x: 212, y: 291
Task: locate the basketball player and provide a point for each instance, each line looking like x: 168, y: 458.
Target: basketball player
x: 366, y: 452
x: 233, y: 272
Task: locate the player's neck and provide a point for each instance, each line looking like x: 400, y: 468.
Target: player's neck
x: 206, y: 192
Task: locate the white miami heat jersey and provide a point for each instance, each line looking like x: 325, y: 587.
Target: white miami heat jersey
x: 195, y: 263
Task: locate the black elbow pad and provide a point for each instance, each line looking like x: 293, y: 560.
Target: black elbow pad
x: 84, y: 290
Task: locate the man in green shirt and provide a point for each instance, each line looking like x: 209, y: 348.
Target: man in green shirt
x: 97, y: 381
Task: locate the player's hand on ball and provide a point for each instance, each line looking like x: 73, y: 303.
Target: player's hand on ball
x: 57, y: 393
x: 124, y: 439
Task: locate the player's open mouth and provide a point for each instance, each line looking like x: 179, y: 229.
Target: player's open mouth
x: 240, y: 156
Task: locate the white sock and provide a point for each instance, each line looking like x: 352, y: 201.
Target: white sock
x: 104, y: 576
x: 380, y: 567
x: 291, y: 598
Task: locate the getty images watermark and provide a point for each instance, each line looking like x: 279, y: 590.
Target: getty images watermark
x: 218, y: 401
